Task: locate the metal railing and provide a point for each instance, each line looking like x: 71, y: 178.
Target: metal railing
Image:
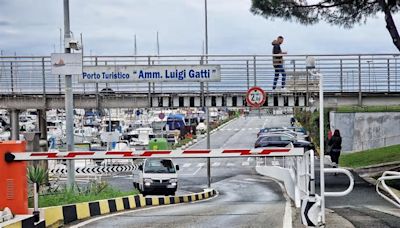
x: 388, y: 175
x: 342, y: 73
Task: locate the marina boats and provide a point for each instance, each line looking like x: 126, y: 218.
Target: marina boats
x: 85, y: 135
x: 140, y: 136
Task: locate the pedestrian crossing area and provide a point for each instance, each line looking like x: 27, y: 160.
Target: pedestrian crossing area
x: 218, y: 164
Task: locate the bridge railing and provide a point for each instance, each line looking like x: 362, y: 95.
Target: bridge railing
x: 342, y: 73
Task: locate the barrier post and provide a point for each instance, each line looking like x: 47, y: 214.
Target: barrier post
x: 13, y: 180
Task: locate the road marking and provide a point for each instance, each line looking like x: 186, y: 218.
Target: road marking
x: 191, y: 174
x: 241, y: 181
x: 245, y: 163
x: 230, y: 164
x: 250, y: 129
x: 275, y: 163
x: 186, y: 165
x: 201, y: 164
x: 216, y: 164
x: 236, y: 129
x: 257, y: 180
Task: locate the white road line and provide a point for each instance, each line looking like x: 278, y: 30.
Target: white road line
x: 245, y: 163
x: 241, y: 181
x: 190, y: 174
x: 201, y: 164
x: 236, y: 129
x: 250, y: 129
x: 186, y: 165
x: 257, y: 180
x: 230, y: 164
x: 216, y: 164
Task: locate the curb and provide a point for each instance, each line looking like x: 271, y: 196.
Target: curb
x: 23, y: 221
x: 62, y: 215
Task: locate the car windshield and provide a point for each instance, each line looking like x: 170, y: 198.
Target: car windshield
x: 159, y: 166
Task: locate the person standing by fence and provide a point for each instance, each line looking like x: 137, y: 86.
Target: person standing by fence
x: 277, y: 61
x: 335, y: 144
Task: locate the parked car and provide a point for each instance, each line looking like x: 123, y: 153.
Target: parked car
x: 297, y: 135
x: 282, y: 140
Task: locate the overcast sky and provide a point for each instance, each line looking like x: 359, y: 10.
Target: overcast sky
x: 108, y: 27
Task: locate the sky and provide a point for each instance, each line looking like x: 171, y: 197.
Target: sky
x: 32, y: 27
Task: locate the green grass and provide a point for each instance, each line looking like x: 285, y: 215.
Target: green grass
x: 346, y: 109
x: 70, y: 197
x: 371, y: 157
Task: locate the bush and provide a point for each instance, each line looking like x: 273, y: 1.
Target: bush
x: 93, y: 191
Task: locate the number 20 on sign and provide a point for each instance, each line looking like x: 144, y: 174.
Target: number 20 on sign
x: 256, y: 97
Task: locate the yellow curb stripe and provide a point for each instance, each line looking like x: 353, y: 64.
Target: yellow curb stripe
x: 14, y: 225
x: 132, y: 203
x: 142, y: 200
x: 119, y: 204
x: 193, y: 197
x: 104, y: 208
x: 82, y: 210
x: 155, y: 201
x: 185, y: 199
x: 166, y: 200
x: 53, y: 215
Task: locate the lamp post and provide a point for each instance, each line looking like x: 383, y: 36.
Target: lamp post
x: 69, y: 107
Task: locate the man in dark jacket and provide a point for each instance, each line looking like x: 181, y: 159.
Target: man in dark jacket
x: 277, y: 61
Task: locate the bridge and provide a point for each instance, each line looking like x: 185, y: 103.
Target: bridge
x: 353, y: 79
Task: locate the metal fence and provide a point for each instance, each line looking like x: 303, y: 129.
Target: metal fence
x: 342, y: 73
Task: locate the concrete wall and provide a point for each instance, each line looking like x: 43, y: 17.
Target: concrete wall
x: 361, y: 131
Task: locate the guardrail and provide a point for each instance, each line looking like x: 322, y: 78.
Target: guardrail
x: 388, y: 175
x: 342, y: 73
x: 348, y: 174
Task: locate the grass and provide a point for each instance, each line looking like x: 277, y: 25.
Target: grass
x: 69, y: 197
x: 347, y: 109
x: 371, y: 157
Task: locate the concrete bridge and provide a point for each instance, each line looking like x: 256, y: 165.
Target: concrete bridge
x: 174, y: 100
x: 353, y: 79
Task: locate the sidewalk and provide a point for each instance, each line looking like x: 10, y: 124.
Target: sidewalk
x: 363, y: 207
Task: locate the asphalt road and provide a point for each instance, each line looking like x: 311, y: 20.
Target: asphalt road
x: 363, y: 207
x: 245, y: 198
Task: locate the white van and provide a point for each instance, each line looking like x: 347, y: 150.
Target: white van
x: 156, y: 175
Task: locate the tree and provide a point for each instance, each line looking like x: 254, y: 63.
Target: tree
x: 344, y: 13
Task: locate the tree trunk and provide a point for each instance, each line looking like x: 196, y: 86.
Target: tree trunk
x: 390, y: 25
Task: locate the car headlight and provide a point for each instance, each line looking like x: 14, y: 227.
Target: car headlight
x: 173, y: 181
x: 147, y: 180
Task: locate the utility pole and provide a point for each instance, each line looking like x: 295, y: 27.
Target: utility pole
x: 135, y: 48
x: 204, y: 100
x: 69, y: 103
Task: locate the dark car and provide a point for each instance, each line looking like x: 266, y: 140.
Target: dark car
x: 282, y: 141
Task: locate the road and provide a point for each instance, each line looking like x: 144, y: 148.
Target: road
x: 245, y: 198
x: 363, y: 207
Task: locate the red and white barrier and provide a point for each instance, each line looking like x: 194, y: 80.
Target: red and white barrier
x: 202, y: 153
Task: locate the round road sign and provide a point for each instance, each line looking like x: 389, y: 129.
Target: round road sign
x: 256, y: 96
x: 161, y: 115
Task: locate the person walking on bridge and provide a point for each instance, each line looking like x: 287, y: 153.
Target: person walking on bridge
x: 277, y: 61
x: 335, y: 144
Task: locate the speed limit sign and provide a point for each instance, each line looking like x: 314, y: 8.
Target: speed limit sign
x: 256, y: 97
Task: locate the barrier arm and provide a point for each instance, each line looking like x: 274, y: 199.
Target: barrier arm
x: 201, y: 153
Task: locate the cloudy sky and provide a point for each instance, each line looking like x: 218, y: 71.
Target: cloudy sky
x: 108, y: 27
